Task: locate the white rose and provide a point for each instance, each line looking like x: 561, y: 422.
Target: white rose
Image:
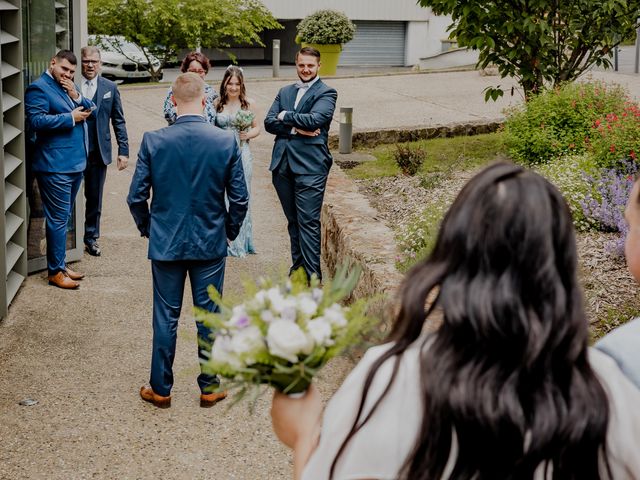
x: 247, y: 343
x: 306, y: 304
x: 221, y: 352
x: 267, y: 316
x: 320, y: 330
x: 287, y: 340
x: 335, y: 315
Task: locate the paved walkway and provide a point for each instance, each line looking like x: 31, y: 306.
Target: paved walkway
x: 83, y: 354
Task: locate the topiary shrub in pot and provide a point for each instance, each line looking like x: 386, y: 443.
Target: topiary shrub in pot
x: 326, y: 31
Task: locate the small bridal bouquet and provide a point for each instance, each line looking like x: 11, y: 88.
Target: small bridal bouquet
x: 283, y: 333
x: 243, y: 121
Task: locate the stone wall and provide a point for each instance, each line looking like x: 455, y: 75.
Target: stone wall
x: 371, y: 138
x: 351, y: 232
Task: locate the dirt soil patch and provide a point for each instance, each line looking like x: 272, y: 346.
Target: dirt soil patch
x: 611, y: 293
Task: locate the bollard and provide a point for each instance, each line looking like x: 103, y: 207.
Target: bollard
x: 636, y: 66
x: 615, y: 58
x: 276, y: 58
x: 346, y: 130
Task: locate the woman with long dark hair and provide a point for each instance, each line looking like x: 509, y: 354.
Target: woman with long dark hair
x: 231, y: 106
x: 506, y: 388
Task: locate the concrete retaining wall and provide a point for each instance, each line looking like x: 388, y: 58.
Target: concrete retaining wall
x: 351, y: 230
x: 371, y: 138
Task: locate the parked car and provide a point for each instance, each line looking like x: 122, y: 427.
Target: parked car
x: 128, y: 66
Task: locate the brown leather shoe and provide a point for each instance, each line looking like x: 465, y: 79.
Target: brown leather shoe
x: 74, y: 275
x: 148, y: 395
x: 210, y: 399
x: 61, y: 280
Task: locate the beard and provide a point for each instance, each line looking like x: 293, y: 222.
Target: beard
x: 307, y: 81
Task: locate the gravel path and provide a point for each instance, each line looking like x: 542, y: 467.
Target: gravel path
x: 84, y: 354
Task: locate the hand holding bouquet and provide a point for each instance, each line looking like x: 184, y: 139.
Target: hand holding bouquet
x: 243, y: 121
x: 282, y: 334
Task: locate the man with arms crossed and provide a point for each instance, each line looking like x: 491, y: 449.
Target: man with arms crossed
x: 189, y: 166
x: 106, y: 97
x: 56, y: 114
x: 300, y: 118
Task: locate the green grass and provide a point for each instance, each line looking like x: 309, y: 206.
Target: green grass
x: 443, y: 155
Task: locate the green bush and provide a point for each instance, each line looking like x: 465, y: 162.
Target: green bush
x: 571, y: 176
x: 326, y: 27
x: 409, y: 158
x: 559, y: 122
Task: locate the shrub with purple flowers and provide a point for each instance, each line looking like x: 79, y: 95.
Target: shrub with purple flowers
x: 607, y: 202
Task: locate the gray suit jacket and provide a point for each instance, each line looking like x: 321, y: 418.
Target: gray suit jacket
x: 109, y: 109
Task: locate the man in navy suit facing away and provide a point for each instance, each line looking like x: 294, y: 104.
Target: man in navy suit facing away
x: 56, y: 115
x: 106, y: 97
x: 189, y: 166
x: 300, y: 118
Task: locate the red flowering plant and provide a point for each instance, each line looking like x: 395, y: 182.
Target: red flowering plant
x: 616, y: 136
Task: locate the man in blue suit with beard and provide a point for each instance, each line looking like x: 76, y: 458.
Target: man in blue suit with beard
x: 56, y: 113
x: 300, y: 118
x: 189, y: 166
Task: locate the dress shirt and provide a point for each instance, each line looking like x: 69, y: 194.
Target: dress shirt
x: 89, y: 87
x: 303, y: 87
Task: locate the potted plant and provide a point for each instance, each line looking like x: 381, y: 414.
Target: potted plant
x: 326, y: 31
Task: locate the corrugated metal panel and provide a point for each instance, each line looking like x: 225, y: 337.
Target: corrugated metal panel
x: 376, y: 43
x: 397, y: 10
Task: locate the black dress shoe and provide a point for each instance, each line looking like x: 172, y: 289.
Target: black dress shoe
x: 93, y: 249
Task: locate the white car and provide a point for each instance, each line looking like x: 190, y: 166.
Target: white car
x: 123, y: 60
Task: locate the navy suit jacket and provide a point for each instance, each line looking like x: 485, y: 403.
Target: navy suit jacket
x: 109, y: 105
x: 306, y: 155
x: 58, y: 145
x: 189, y: 166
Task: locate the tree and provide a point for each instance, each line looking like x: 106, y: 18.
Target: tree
x: 163, y: 27
x: 539, y: 42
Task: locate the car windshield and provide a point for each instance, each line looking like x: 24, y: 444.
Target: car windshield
x: 116, y: 44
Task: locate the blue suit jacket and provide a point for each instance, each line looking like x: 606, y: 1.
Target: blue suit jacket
x: 306, y: 155
x: 189, y: 165
x: 59, y: 145
x: 110, y: 109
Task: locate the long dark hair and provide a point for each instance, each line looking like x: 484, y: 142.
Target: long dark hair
x: 506, y: 375
x: 230, y: 72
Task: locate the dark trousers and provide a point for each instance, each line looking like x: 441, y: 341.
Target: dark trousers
x: 301, y: 199
x: 94, y: 177
x: 168, y: 290
x: 58, y: 193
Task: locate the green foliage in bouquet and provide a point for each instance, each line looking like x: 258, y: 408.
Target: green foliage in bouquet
x: 284, y: 332
x: 243, y: 120
x: 326, y: 27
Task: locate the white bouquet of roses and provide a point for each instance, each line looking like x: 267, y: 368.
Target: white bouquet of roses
x: 282, y: 334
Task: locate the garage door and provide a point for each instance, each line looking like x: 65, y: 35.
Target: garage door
x: 375, y: 43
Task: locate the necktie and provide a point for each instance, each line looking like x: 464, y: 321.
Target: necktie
x: 88, y: 90
x: 301, y: 85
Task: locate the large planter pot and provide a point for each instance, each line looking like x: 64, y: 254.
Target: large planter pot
x: 329, y: 57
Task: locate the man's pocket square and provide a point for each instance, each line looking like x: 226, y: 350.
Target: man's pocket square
x: 107, y: 95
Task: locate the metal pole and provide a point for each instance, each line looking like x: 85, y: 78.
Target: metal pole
x: 276, y: 58
x: 346, y: 130
x: 615, y: 58
x: 637, y: 63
